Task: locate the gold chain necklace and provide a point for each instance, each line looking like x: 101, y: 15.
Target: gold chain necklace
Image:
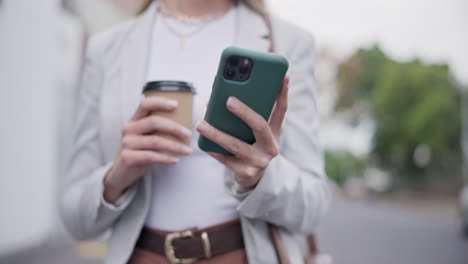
x: 200, y: 21
x: 163, y: 9
x: 183, y: 37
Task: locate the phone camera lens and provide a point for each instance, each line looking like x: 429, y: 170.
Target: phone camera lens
x: 229, y: 73
x: 234, y: 61
x: 243, y: 69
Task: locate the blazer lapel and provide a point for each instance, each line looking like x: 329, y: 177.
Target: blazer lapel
x: 252, y: 32
x: 134, y: 63
x: 133, y: 69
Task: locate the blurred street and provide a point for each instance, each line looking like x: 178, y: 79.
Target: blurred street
x: 354, y: 232
x: 383, y: 232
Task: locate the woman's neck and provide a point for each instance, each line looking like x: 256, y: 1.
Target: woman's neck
x: 197, y: 8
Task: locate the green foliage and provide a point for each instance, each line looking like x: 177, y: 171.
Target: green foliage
x: 416, y: 104
x: 340, y: 165
x: 413, y: 104
x: 357, y: 76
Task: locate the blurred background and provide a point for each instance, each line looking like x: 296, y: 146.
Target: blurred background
x: 393, y: 97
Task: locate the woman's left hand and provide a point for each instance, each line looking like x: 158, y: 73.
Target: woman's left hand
x: 250, y: 161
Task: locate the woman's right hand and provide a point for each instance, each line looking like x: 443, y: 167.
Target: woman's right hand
x: 140, y: 148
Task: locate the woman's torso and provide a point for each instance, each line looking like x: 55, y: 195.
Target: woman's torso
x: 190, y: 193
x: 116, y: 50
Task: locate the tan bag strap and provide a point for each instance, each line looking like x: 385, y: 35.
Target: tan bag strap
x: 267, y: 20
x: 274, y: 230
x: 313, y: 246
x: 280, y: 249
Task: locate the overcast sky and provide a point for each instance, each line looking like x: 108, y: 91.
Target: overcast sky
x: 435, y: 30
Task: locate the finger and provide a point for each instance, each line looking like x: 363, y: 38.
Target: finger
x: 245, y: 174
x: 145, y: 157
x: 230, y: 161
x: 233, y: 163
x: 155, y: 123
x: 155, y: 143
x: 238, y: 148
x: 279, y: 110
x: 153, y: 103
x: 259, y: 125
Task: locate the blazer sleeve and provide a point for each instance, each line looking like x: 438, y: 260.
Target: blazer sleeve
x: 84, y: 212
x: 293, y: 192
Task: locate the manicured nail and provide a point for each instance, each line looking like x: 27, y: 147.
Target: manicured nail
x: 202, y: 127
x: 186, y: 132
x: 214, y: 154
x: 233, y: 103
x: 187, y: 149
x: 172, y: 103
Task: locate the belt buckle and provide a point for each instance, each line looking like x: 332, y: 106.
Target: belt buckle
x: 170, y: 252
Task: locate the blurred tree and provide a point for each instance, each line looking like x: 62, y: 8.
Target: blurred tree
x: 342, y: 165
x: 416, y: 108
x: 357, y: 77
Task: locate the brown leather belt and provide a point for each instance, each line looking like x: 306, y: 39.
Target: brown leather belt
x: 188, y: 246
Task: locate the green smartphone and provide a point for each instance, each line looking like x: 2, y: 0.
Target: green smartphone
x: 255, y: 78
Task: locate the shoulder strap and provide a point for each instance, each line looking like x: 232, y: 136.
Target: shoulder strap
x: 267, y: 20
x: 280, y: 249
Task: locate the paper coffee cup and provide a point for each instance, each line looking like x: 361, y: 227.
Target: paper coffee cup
x: 183, y: 93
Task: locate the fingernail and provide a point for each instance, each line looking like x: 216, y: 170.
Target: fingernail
x: 186, y: 132
x: 174, y: 159
x: 187, y: 149
x: 233, y: 103
x: 172, y: 103
x: 202, y: 127
x: 216, y: 155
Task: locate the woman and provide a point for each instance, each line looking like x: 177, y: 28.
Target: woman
x: 146, y: 189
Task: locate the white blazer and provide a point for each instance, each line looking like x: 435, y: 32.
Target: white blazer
x: 292, y: 194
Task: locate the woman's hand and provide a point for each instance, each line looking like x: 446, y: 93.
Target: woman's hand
x: 140, y: 149
x: 250, y: 161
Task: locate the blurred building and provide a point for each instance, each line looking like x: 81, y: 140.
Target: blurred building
x: 41, y: 56
x: 465, y: 134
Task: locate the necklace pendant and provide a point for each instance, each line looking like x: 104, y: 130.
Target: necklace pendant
x: 183, y: 43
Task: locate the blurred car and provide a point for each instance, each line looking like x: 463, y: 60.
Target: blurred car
x: 464, y: 209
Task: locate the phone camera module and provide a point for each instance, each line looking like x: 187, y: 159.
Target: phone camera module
x: 238, y: 68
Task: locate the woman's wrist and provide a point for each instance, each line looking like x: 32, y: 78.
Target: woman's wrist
x: 111, y: 192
